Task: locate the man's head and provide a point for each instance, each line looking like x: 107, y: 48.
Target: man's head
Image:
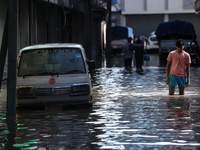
x: 180, y: 43
x: 129, y: 39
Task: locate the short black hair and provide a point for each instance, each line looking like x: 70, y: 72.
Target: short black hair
x: 129, y: 39
x: 180, y: 43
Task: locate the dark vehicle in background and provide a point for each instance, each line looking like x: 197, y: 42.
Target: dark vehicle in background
x: 168, y: 32
x: 119, y: 35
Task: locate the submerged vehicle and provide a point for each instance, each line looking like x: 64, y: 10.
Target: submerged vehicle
x: 53, y: 75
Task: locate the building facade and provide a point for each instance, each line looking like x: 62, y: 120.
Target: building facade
x: 145, y: 15
x: 58, y: 21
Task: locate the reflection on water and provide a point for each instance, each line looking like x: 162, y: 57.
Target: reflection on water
x: 137, y: 113
x: 180, y: 119
x: 41, y: 129
x: 130, y: 111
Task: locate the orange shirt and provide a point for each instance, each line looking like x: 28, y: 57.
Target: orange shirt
x: 179, y: 62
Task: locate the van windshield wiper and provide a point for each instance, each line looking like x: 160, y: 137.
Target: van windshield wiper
x: 70, y: 71
x: 54, y: 73
x: 40, y: 73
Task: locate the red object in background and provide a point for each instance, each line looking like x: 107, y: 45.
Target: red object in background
x: 52, y: 81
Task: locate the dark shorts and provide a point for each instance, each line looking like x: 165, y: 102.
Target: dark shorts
x: 177, y: 80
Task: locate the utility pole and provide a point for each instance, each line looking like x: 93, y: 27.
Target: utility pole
x: 12, y: 58
x: 108, y: 34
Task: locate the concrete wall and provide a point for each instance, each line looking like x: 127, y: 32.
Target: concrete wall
x: 157, y: 7
x: 77, y: 28
x: 23, y: 23
x: 43, y: 22
x: 143, y: 24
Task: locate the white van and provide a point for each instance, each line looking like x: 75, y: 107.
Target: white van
x: 53, y: 75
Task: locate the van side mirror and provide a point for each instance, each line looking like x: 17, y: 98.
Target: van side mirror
x: 91, y: 64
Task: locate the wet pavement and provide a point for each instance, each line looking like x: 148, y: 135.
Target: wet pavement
x: 130, y: 112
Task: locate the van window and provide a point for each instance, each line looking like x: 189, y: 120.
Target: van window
x: 153, y: 38
x: 51, y: 61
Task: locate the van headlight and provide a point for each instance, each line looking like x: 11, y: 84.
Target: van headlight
x: 25, y: 92
x: 79, y: 89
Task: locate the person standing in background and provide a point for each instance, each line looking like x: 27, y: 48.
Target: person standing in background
x: 139, y: 54
x: 128, y: 53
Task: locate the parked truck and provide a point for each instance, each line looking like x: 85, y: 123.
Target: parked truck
x: 168, y: 32
x: 119, y: 35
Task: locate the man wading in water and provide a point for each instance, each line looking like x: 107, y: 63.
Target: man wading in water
x: 178, y: 68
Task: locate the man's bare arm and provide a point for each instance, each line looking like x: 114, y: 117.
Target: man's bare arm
x: 167, y: 71
x: 188, y: 74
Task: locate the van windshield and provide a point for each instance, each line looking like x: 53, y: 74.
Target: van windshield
x: 51, y: 62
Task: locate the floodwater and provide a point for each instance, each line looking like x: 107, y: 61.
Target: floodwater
x: 130, y: 112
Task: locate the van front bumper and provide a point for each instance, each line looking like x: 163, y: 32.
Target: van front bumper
x: 76, y: 93
x: 54, y: 100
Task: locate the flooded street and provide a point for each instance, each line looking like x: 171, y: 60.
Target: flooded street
x: 137, y: 113
x: 130, y: 112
